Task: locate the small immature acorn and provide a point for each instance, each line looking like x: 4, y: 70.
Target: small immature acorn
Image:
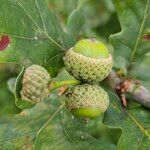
x: 35, y: 84
x: 87, y: 101
x: 89, y: 60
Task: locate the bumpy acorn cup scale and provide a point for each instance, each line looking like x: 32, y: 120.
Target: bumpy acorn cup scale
x: 89, y: 60
x: 87, y: 101
x: 35, y: 84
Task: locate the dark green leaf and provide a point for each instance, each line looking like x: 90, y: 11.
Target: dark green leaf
x: 134, y: 123
x: 75, y: 23
x: 48, y: 125
x: 35, y: 33
x: 129, y: 44
x: 18, y: 86
x: 7, y: 100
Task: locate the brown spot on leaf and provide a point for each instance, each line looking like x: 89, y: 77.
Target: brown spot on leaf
x: 24, y: 113
x: 4, y: 42
x: 147, y: 37
x: 51, y: 6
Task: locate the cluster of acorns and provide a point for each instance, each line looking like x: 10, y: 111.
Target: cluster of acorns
x: 89, y: 61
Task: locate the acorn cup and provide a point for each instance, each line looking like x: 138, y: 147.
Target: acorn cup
x: 89, y: 60
x: 35, y: 84
x: 87, y: 101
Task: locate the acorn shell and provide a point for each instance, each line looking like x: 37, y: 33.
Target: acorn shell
x: 87, y: 100
x: 85, y: 68
x: 35, y: 84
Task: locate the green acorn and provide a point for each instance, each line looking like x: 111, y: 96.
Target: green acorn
x: 35, y: 84
x: 89, y: 60
x: 87, y: 101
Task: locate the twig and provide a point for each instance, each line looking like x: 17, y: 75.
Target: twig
x: 122, y: 86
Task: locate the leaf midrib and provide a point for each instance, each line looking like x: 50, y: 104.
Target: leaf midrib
x: 44, y: 125
x: 139, y: 34
x: 26, y: 37
x: 135, y: 121
x: 138, y: 124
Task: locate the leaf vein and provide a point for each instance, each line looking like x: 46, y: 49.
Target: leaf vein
x: 50, y: 38
x: 47, y: 122
x: 138, y: 124
x: 139, y: 34
x: 40, y: 15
